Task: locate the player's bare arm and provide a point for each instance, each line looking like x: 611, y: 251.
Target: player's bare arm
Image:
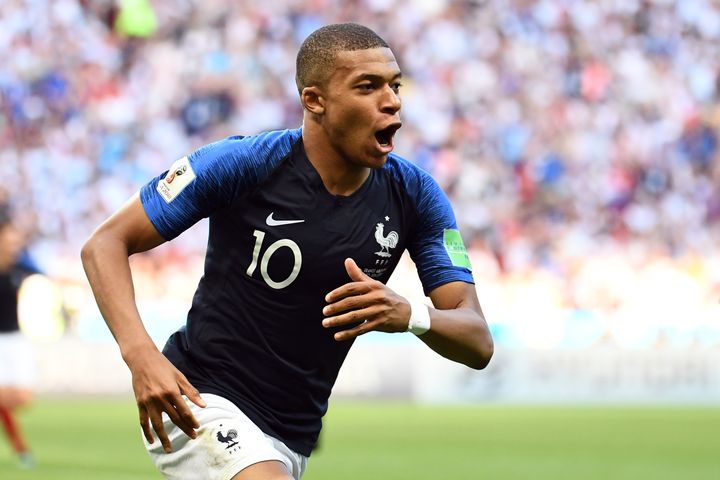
x: 459, y: 331
x: 157, y: 384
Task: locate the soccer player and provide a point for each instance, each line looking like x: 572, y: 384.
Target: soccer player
x: 16, y: 362
x: 306, y: 226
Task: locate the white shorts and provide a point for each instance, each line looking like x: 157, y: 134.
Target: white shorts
x: 227, y: 442
x: 17, y: 363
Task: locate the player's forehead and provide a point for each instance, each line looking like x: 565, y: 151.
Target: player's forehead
x: 354, y: 65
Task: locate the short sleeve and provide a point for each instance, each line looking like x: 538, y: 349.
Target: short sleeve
x: 193, y: 188
x: 437, y: 247
x: 211, y: 178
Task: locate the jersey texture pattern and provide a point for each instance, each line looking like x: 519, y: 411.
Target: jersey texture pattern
x: 276, y: 246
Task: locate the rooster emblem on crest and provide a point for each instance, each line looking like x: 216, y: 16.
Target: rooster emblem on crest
x: 229, y: 438
x: 386, y: 243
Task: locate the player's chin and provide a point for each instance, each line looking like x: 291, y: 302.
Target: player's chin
x: 376, y: 160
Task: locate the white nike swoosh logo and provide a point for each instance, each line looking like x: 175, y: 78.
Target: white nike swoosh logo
x: 271, y: 222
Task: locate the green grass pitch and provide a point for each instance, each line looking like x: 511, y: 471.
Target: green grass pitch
x: 98, y: 439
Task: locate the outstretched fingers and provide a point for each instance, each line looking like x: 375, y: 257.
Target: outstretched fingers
x: 360, y: 284
x: 177, y: 410
x: 145, y: 424
x: 365, y: 315
x: 159, y: 388
x: 188, y: 422
x: 156, y: 421
x: 151, y: 415
x: 348, y: 290
x: 364, y: 305
x: 364, y: 327
x: 180, y: 415
x: 191, y: 392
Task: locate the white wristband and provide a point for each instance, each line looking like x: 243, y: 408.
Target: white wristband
x: 419, y: 318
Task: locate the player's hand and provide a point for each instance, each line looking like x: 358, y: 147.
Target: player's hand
x: 364, y: 300
x: 159, y: 387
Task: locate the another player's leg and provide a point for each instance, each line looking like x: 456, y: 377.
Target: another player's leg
x: 14, y: 435
x: 17, y: 375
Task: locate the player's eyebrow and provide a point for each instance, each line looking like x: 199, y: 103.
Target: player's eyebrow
x: 373, y: 77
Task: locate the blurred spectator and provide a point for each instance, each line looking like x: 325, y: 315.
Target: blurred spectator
x: 562, y: 129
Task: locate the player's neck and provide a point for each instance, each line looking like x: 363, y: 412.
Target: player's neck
x: 339, y: 176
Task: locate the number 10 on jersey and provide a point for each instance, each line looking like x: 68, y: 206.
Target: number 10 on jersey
x: 274, y: 247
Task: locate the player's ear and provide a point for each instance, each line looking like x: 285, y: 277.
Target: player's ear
x: 312, y: 100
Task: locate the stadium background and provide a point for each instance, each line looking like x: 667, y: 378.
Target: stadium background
x: 578, y: 141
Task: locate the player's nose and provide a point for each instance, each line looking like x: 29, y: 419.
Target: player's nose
x: 390, y: 101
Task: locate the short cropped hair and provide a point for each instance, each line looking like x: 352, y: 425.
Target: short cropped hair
x: 316, y: 56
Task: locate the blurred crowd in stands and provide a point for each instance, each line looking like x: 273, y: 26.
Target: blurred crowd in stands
x: 577, y: 139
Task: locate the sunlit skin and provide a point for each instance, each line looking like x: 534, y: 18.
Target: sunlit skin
x: 343, y: 115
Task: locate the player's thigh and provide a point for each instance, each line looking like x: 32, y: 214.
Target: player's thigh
x: 270, y: 470
x: 228, y: 444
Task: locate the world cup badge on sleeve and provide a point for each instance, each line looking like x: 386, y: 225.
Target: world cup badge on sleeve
x: 178, y: 177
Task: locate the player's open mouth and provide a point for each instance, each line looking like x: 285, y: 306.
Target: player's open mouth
x: 385, y: 136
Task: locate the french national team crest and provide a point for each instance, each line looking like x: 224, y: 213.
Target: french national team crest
x: 228, y: 439
x: 386, y: 241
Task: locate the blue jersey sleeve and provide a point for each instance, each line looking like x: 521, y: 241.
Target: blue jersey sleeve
x: 437, y: 248
x: 210, y: 179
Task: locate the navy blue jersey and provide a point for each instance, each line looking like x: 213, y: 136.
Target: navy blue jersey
x: 276, y: 247
x: 10, y: 282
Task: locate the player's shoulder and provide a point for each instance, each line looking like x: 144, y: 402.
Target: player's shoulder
x: 270, y: 145
x: 419, y: 186
x: 411, y: 177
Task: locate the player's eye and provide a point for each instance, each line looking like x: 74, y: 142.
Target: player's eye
x: 366, y: 87
x: 396, y: 86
